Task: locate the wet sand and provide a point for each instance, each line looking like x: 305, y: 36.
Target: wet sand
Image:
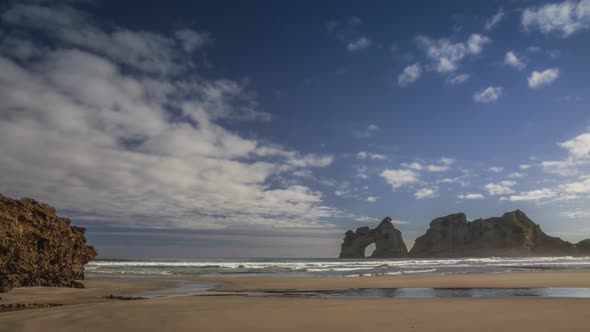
x: 88, y: 310
x: 491, y: 280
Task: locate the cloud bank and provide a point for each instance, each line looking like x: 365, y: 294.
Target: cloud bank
x: 119, y: 127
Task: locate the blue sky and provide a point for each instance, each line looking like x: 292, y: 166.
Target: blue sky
x: 269, y: 128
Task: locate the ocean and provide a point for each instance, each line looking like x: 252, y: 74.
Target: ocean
x: 105, y: 267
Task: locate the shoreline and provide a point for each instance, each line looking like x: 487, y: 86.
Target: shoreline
x: 529, y: 279
x: 89, y: 310
x: 99, y: 289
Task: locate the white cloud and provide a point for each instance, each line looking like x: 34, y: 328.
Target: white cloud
x: 525, y: 166
x: 192, y: 40
x: 516, y: 175
x: 546, y: 77
x: 409, y: 75
x: 415, y: 166
x: 533, y: 49
x: 476, y: 42
x: 446, y: 55
x: 500, y: 188
x: 366, y: 219
x: 358, y: 44
x: 457, y: 79
x: 565, y: 17
x: 447, y: 161
x: 17, y: 46
x: 461, y: 180
x: 372, y: 199
x: 579, y: 146
x: 577, y: 214
x: 437, y: 168
x: 369, y: 155
x: 444, y: 165
x: 146, y: 51
x: 580, y: 187
x: 426, y: 193
x: 578, y: 154
x: 511, y: 59
x: 399, y: 177
x: 488, y: 95
x: 304, y: 173
x: 341, y: 193
x: 578, y: 149
x: 496, y: 169
x: 361, y: 172
x: 494, y: 20
x: 534, y: 195
x: 293, y: 158
x: 368, y: 132
x: 362, y: 155
x: 470, y: 196
x: 104, y: 144
x: 565, y: 167
x: 567, y: 191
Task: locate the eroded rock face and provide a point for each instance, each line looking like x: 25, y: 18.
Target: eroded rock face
x: 513, y: 234
x: 38, y: 248
x: 388, y: 242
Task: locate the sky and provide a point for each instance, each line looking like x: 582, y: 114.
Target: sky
x: 269, y: 128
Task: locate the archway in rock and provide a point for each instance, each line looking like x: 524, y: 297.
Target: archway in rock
x: 383, y: 241
x: 370, y: 249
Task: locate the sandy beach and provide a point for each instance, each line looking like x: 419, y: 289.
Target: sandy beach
x: 89, y: 310
x: 491, y: 280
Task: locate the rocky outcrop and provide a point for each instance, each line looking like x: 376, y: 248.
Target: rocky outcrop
x: 388, y: 242
x: 513, y: 234
x: 583, y: 247
x: 38, y: 248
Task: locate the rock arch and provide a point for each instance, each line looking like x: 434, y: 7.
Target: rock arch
x: 388, y: 242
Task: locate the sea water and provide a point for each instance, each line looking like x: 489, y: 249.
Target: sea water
x: 329, y: 267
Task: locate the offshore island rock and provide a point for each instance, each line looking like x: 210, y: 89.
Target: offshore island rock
x: 388, y: 242
x: 511, y: 235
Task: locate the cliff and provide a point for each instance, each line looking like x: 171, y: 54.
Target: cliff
x: 38, y: 248
x: 388, y: 242
x: 513, y: 234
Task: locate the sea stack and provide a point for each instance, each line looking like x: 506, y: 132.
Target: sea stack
x: 511, y: 235
x: 38, y: 248
x: 388, y: 242
x: 583, y: 247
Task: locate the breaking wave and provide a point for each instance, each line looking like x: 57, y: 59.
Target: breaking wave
x: 343, y: 267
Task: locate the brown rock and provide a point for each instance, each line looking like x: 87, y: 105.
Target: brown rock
x: 5, y: 286
x: 38, y: 248
x: 513, y: 234
x: 388, y: 242
x: 77, y: 284
x: 583, y: 247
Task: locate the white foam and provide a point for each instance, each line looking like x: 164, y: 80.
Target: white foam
x: 419, y: 271
x: 314, y: 266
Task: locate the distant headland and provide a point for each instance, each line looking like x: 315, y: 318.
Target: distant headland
x: 511, y: 235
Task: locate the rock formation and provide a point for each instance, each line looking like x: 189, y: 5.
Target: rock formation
x: 583, y: 247
x: 513, y: 234
x: 38, y: 248
x: 388, y: 242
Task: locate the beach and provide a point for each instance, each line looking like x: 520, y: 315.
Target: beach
x: 89, y: 309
